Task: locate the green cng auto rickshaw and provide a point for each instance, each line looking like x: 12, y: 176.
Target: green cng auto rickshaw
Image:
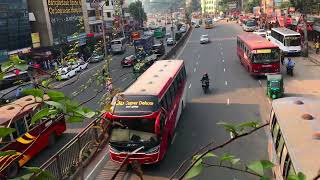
x: 275, y: 86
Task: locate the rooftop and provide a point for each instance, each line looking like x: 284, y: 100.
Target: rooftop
x: 255, y: 41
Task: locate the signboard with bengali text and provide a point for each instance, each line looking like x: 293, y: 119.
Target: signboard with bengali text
x: 65, y: 17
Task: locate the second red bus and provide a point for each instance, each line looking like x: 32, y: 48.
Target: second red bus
x: 258, y: 55
x: 147, y: 113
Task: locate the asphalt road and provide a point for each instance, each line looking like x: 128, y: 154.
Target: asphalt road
x: 122, y: 77
x: 234, y: 97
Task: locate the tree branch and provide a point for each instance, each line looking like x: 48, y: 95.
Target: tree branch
x: 218, y: 147
x: 232, y: 168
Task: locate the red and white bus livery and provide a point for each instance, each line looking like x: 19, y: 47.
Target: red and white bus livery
x: 258, y: 55
x: 147, y: 113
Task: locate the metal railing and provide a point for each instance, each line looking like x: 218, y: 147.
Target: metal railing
x: 77, y: 153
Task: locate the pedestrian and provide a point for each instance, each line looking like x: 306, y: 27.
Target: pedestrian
x: 317, y: 46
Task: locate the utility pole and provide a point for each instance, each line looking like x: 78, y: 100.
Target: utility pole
x: 305, y: 32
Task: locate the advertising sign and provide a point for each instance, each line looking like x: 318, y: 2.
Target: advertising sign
x: 232, y: 5
x: 256, y: 11
x: 35, y: 37
x: 65, y: 17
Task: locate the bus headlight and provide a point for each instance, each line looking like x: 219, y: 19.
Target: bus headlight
x: 153, y: 150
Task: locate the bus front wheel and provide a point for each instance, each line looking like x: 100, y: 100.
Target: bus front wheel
x: 13, y: 170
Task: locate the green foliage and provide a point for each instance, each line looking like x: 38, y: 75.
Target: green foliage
x: 55, y: 95
x: 226, y: 157
x: 251, y: 4
x: 7, y: 153
x: 6, y: 131
x: 238, y: 129
x: 259, y: 167
x: 299, y: 176
x: 137, y: 11
x: 45, y: 112
x: 34, y: 92
x: 37, y: 174
x: 195, y: 170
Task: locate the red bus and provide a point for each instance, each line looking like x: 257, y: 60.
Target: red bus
x: 258, y: 55
x: 28, y: 139
x: 147, y: 113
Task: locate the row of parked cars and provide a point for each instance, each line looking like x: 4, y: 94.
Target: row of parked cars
x: 72, y: 68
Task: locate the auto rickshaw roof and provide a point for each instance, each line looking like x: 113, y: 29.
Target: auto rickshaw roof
x: 271, y: 77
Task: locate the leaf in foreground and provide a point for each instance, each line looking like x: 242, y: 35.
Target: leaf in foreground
x: 34, y: 92
x: 6, y: 131
x: 40, y: 174
x: 299, y: 176
x: 55, y: 95
x: 259, y: 166
x: 195, y: 170
x: 43, y: 113
x: 7, y: 153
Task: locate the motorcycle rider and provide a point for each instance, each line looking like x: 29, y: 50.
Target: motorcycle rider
x: 290, y: 65
x: 205, y: 79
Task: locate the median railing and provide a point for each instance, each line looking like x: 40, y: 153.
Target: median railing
x: 77, y: 153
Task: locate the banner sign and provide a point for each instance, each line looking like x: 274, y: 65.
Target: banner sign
x: 65, y: 17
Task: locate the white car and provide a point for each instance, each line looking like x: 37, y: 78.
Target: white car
x: 170, y: 42
x: 66, y: 72
x: 204, y: 39
x: 83, y: 65
x: 183, y: 29
x: 74, y: 65
x: 261, y: 32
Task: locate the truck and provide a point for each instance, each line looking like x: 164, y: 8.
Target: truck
x: 159, y: 32
x: 135, y: 35
x: 145, y: 43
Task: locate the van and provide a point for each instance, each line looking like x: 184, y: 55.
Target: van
x: 118, y: 45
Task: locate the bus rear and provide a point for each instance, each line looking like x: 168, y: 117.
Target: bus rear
x: 208, y: 23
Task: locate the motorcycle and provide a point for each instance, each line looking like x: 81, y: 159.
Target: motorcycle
x: 290, y: 70
x: 205, y: 86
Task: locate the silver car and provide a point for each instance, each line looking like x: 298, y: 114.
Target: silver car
x: 204, y: 39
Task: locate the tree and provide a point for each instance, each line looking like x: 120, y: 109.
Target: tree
x: 251, y: 4
x: 137, y: 12
x: 195, y: 5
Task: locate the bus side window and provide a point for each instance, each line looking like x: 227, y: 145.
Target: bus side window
x: 175, y: 84
x: 184, y: 74
x: 280, y: 146
x: 273, y: 120
x: 279, y: 135
x: 275, y: 131
x: 168, y: 99
x: 291, y: 170
x: 286, y: 165
x: 15, y: 133
x: 164, y: 103
x: 21, y: 126
x: 172, y: 92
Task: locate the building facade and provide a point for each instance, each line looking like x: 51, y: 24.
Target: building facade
x: 57, y: 21
x: 209, y: 6
x: 15, y: 30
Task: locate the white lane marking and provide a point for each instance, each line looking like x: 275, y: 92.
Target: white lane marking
x: 198, y: 56
x: 113, y: 70
x: 228, y: 101
x: 190, y: 86
x: 174, y: 137
x: 124, y: 79
x: 194, y: 70
x: 226, y: 83
x: 185, y: 44
x: 96, y: 166
x: 197, y: 63
x: 260, y: 82
x: 222, y: 60
x: 224, y: 69
x: 221, y: 53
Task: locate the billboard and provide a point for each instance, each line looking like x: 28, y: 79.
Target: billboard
x: 65, y: 17
x: 256, y: 11
x: 35, y: 37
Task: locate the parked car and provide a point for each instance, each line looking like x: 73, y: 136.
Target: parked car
x: 204, y: 39
x: 158, y: 49
x: 128, y: 61
x: 197, y: 26
x: 183, y: 29
x: 170, y: 42
x: 96, y: 57
x: 66, y: 72
x: 83, y: 65
x: 74, y: 65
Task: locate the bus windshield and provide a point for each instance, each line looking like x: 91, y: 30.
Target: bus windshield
x: 292, y: 41
x: 272, y: 56
x: 115, y: 42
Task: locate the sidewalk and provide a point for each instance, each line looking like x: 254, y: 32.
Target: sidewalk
x: 306, y: 78
x: 312, y: 54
